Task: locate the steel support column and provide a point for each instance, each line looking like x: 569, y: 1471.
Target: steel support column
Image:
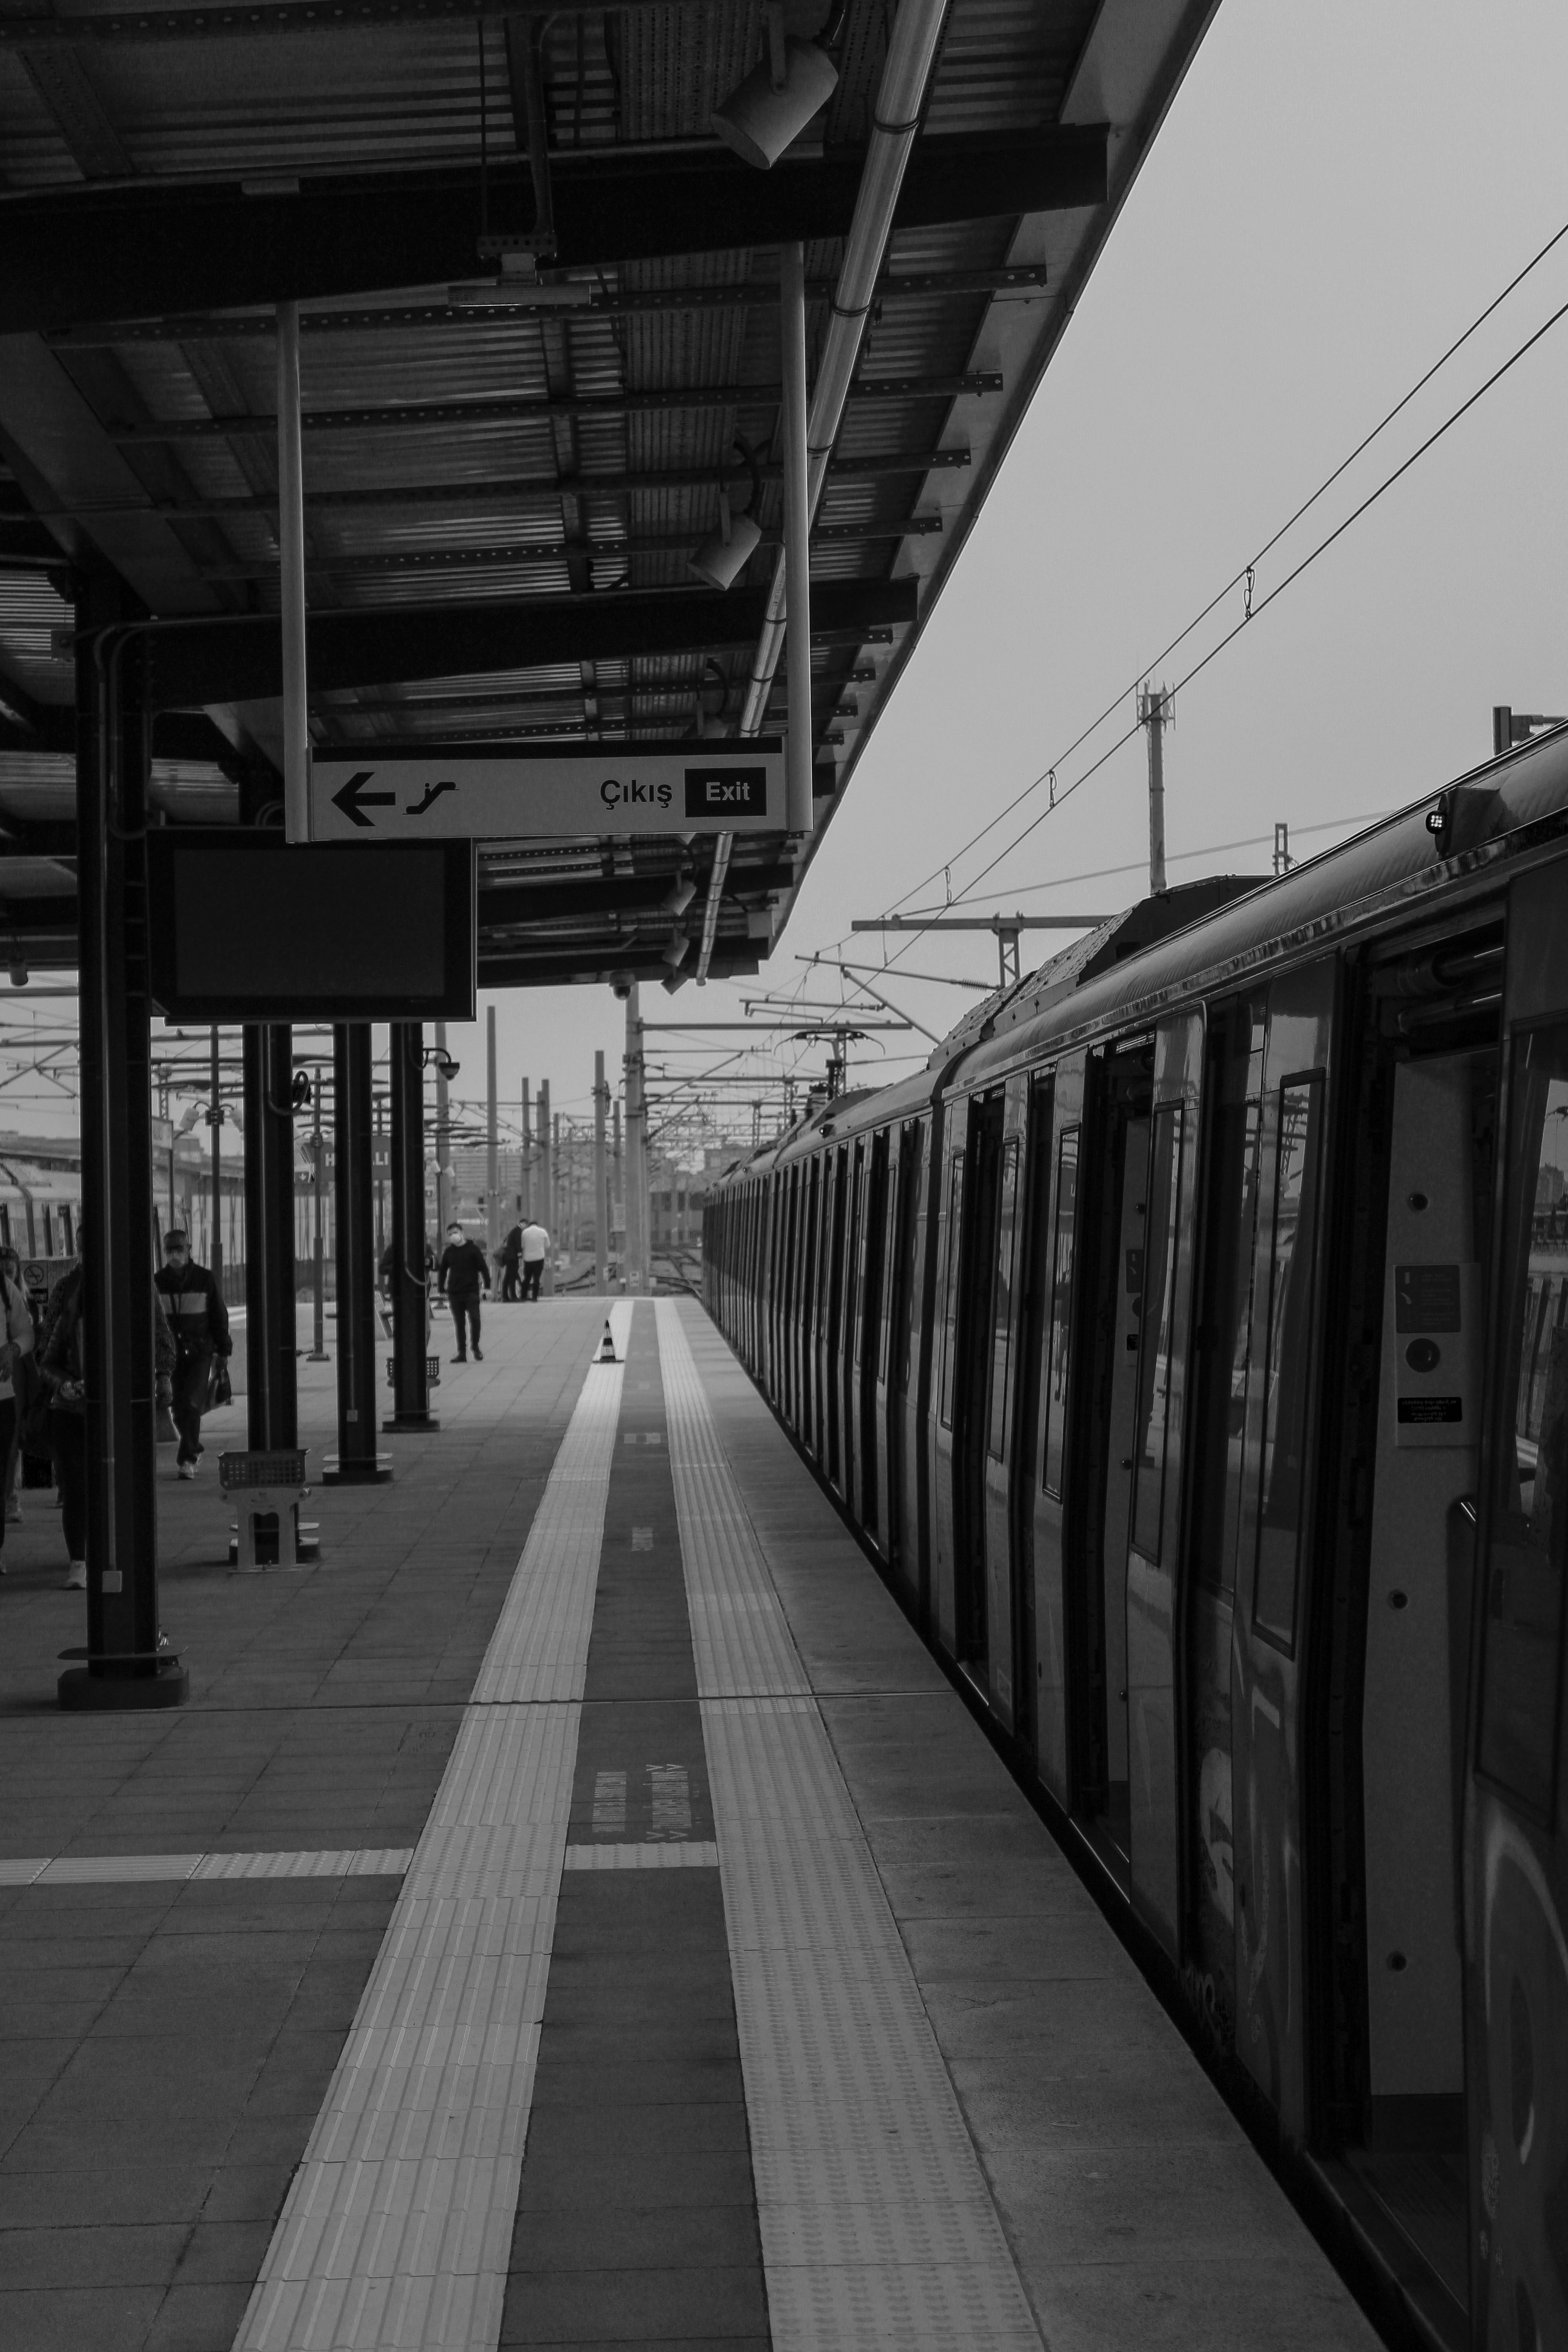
x: 353, y: 1200
x: 126, y: 1663
x: 410, y: 1331
x: 272, y: 1397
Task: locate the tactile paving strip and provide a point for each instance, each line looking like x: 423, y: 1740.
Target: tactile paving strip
x: 878, y: 2228
x: 397, y: 2231
x: 113, y: 1869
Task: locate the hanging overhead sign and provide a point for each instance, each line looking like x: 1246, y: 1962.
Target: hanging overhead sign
x: 520, y: 792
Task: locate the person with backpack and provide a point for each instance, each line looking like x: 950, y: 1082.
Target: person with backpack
x: 199, y: 1320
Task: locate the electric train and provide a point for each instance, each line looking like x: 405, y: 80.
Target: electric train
x: 1188, y: 1342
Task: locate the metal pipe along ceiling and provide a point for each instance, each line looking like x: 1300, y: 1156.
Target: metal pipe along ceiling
x: 917, y: 31
x: 912, y: 54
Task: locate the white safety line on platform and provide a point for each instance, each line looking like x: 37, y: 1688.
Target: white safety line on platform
x: 397, y: 2231
x: 697, y: 1856
x: 877, y: 2224
x: 119, y: 1869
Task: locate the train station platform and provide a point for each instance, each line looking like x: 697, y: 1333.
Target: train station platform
x: 578, y: 1911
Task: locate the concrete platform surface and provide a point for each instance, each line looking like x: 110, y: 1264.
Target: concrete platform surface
x: 578, y: 1911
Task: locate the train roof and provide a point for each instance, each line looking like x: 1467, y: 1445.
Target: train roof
x: 1217, y: 931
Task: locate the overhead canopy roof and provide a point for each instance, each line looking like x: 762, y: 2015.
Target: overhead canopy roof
x: 501, y: 496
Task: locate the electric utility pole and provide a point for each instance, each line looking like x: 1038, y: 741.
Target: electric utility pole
x: 1156, y: 712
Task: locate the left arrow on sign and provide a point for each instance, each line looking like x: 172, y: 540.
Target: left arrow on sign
x: 353, y: 800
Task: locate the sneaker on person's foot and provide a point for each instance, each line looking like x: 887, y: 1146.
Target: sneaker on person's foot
x: 478, y: 1355
x: 185, y: 1469
x: 75, y: 1577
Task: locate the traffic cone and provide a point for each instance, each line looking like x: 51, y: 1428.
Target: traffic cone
x: 606, y: 1354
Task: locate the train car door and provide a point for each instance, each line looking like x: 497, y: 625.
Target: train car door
x: 1159, y: 1455
x: 849, y: 1329
x: 900, y: 1354
x: 1414, y: 1279
x: 1275, y: 1537
x: 1233, y: 1089
x: 946, y: 1375
x: 1061, y: 1145
x: 1517, y: 1816
x: 805, y: 1316
x: 830, y: 1319
x: 869, y: 1334
x: 1114, y: 1227
x: 959, y: 1481
x: 995, y: 1466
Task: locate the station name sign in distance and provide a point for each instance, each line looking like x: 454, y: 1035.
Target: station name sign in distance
x: 501, y: 792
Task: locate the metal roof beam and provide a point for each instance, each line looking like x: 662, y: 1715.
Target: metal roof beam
x: 418, y: 415
x: 876, y: 466
x: 416, y: 561
x: 1024, y: 280
x: 238, y: 658
x: 86, y: 254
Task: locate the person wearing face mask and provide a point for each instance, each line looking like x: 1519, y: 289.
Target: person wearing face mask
x: 15, y: 1343
x: 463, y: 1271
x: 199, y: 1319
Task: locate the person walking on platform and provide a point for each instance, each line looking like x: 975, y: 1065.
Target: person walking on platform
x: 511, y: 1251
x: 15, y: 1344
x: 199, y: 1320
x: 463, y: 1270
x: 532, y: 1248
x: 22, y: 1376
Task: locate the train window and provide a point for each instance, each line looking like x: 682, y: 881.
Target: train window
x: 1002, y: 1302
x: 1162, y: 1342
x: 1058, y: 1362
x: 1528, y: 1550
x: 949, y: 1283
x: 1287, y: 1359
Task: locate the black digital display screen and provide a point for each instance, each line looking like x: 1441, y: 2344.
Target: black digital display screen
x: 245, y: 927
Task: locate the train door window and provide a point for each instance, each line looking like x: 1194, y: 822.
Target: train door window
x: 952, y: 1257
x: 49, y: 1231
x: 1164, y: 1350
x: 1527, y: 1558
x: 1058, y: 1364
x: 4, y: 1226
x: 1286, y: 1361
x: 1002, y: 1302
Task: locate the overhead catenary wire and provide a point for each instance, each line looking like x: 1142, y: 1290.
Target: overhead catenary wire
x: 1254, y: 605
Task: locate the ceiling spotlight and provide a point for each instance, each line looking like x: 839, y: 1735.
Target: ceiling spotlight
x: 766, y: 112
x: 679, y: 894
x: 676, y: 980
x: 674, y: 953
